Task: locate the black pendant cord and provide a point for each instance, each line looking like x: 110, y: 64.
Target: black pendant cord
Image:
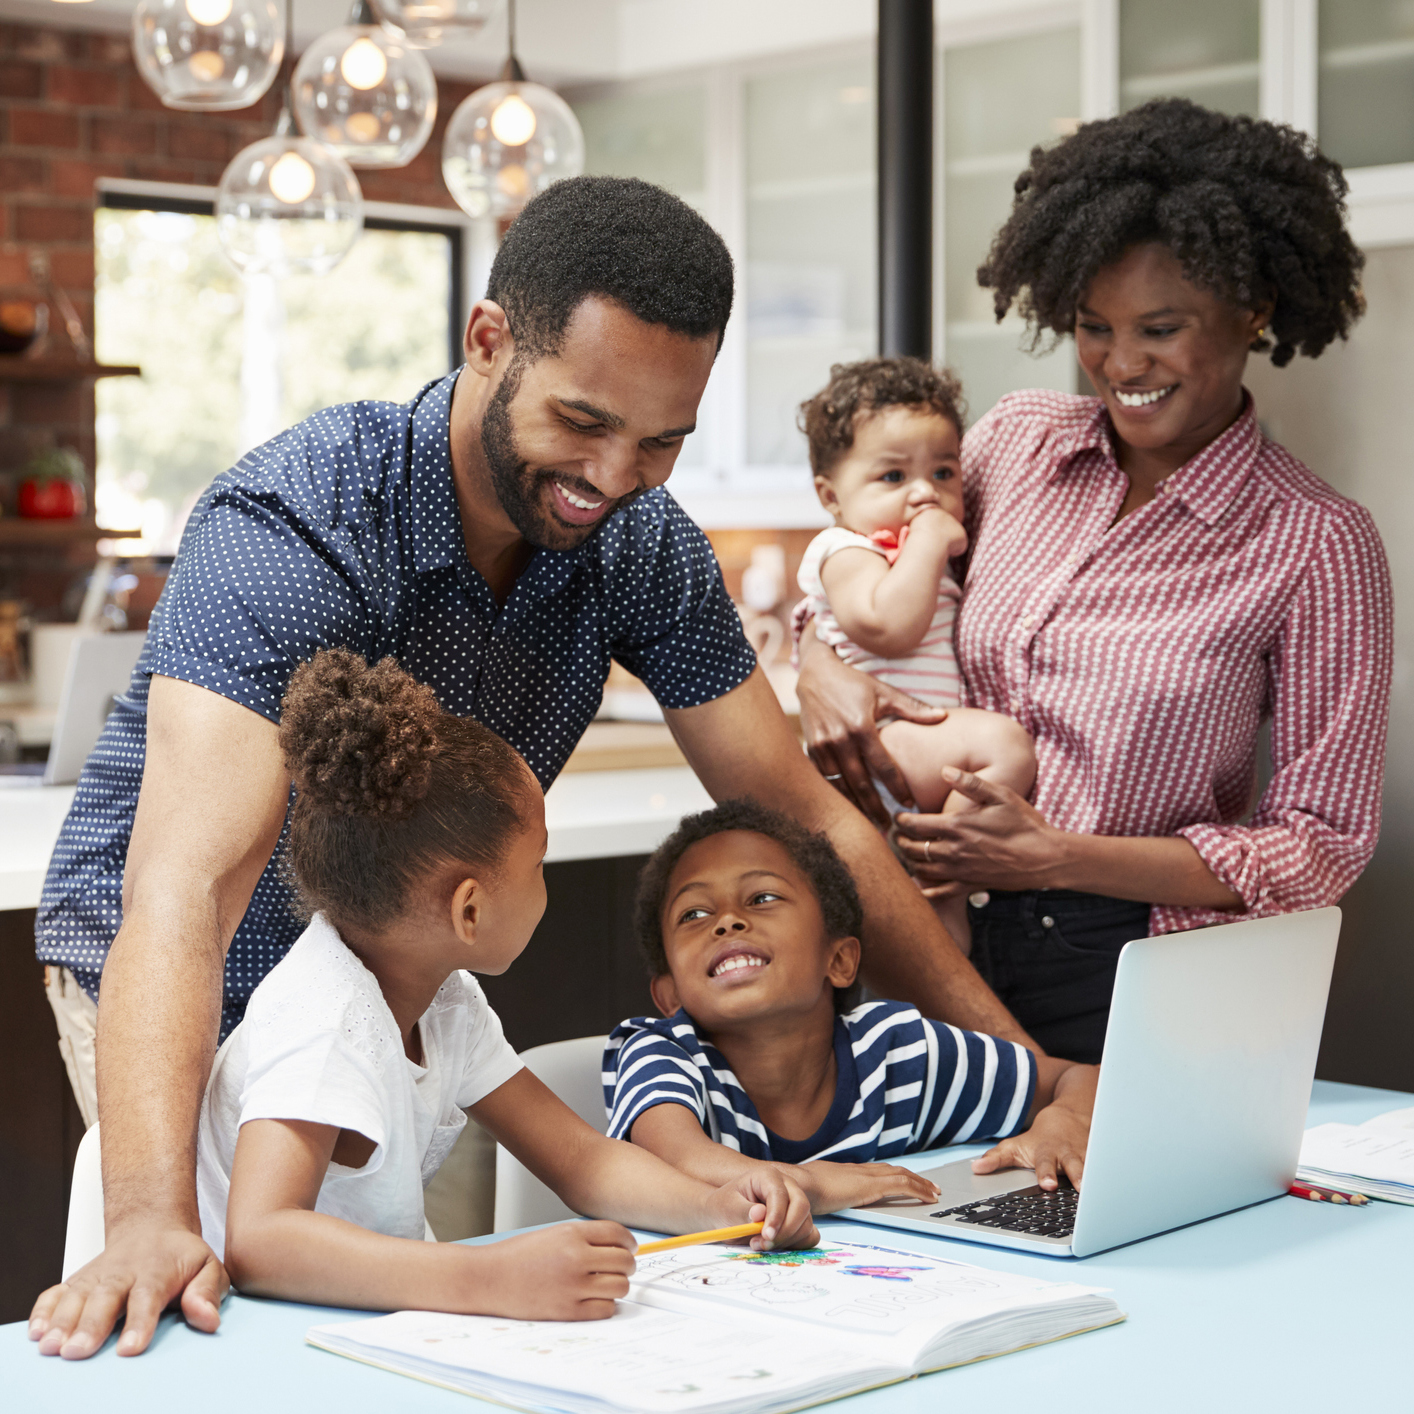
x: 511, y: 71
x: 905, y: 119
x: 285, y: 123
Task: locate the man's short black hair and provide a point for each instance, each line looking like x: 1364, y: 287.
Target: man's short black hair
x: 1253, y: 211
x: 618, y: 238
x: 812, y: 853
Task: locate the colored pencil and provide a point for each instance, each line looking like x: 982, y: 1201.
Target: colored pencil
x: 690, y: 1239
x: 1327, y: 1195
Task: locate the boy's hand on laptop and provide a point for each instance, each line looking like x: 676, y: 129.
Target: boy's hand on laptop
x: 776, y: 1200
x: 1055, y: 1144
x: 835, y: 1186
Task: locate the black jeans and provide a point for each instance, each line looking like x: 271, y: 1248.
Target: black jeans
x: 1051, y: 956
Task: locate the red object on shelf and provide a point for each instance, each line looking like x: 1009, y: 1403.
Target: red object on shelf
x: 52, y: 499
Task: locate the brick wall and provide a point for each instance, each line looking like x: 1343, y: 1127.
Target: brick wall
x: 73, y: 109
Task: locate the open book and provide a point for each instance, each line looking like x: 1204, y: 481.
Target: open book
x: 714, y: 1330
x: 1375, y: 1158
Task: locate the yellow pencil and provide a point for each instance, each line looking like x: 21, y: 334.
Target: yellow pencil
x: 690, y: 1239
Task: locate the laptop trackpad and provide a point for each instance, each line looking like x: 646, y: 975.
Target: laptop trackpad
x: 960, y: 1185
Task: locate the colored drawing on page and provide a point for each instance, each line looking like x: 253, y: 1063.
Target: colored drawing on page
x: 884, y: 1273
x: 809, y: 1257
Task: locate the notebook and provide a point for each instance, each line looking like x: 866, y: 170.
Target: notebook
x: 1375, y: 1158
x: 717, y: 1330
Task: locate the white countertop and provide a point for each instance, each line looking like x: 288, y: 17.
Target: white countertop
x: 590, y: 814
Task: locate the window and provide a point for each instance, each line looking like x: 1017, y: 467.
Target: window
x: 1367, y: 81
x: 1206, y: 50
x: 229, y: 361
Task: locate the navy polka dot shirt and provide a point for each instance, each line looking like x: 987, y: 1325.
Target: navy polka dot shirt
x: 344, y: 531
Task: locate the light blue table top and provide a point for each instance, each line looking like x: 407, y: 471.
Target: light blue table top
x: 1285, y: 1306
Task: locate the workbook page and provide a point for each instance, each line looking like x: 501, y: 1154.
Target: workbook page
x: 644, y: 1359
x: 900, y: 1300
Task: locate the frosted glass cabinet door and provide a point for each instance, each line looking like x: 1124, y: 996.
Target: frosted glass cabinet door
x: 1366, y: 94
x: 810, y: 237
x: 1000, y: 99
x: 1206, y: 50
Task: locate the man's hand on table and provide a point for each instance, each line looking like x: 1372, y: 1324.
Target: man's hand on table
x: 840, y: 709
x: 144, y: 1268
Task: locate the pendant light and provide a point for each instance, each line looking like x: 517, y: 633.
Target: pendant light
x: 429, y: 22
x: 287, y: 205
x: 508, y: 141
x: 208, y: 55
x: 364, y: 92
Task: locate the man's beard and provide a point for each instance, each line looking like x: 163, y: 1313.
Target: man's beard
x: 520, y: 491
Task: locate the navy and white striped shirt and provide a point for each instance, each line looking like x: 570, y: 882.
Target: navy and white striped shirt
x: 904, y: 1084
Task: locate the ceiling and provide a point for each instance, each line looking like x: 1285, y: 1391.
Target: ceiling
x: 586, y: 41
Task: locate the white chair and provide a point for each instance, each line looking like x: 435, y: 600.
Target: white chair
x: 573, y: 1070
x: 83, y: 1238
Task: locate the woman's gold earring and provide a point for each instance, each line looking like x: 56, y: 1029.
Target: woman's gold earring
x: 1262, y: 332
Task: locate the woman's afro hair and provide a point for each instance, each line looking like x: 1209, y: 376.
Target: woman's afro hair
x: 1252, y: 210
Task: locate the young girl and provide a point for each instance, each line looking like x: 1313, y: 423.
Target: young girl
x: 416, y: 839
x: 884, y: 440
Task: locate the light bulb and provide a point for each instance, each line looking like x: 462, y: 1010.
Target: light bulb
x: 363, y: 64
x: 204, y: 55
x: 208, y: 12
x: 207, y: 65
x: 365, y: 95
x: 287, y: 206
x: 291, y: 179
x: 513, y: 121
x: 493, y: 167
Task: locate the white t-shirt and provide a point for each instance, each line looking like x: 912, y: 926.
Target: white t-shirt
x: 319, y: 1043
x: 930, y: 672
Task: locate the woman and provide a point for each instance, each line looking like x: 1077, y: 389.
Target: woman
x: 1151, y: 578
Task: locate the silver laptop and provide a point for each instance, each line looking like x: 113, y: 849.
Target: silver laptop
x: 100, y: 668
x: 1204, y: 1085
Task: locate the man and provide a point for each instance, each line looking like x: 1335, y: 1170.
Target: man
x: 502, y: 536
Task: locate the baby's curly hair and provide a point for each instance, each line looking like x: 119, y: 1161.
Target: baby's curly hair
x: 811, y: 853
x: 1252, y: 210
x: 829, y: 418
x: 388, y: 785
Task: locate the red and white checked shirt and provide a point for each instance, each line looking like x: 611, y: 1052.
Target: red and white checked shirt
x: 1143, y: 655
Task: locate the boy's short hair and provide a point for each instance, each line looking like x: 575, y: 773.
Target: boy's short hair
x: 829, y: 418
x: 810, y: 852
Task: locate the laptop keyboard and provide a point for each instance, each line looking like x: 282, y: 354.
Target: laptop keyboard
x: 1036, y: 1211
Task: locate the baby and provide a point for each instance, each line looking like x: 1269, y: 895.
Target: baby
x: 416, y: 839
x: 750, y: 926
x: 885, y: 451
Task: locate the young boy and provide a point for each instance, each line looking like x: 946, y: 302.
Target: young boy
x: 750, y: 926
x: 884, y: 440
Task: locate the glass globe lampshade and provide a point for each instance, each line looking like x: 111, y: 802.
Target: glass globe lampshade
x: 506, y: 143
x: 208, y: 55
x: 429, y: 22
x: 364, y: 92
x: 288, y: 206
